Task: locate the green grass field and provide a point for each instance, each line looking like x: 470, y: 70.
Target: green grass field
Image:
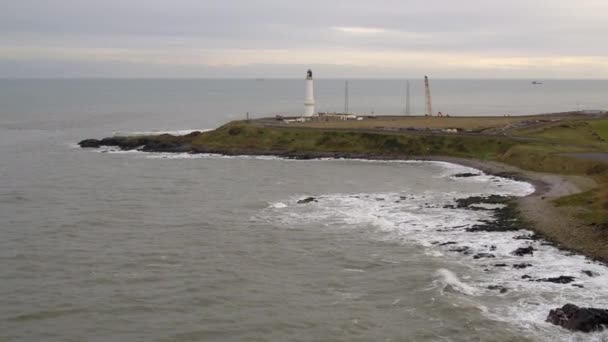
x: 601, y: 128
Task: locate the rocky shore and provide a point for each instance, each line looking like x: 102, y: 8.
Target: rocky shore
x: 537, y: 209
x: 535, y: 212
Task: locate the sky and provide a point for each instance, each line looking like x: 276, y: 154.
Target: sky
x: 282, y: 38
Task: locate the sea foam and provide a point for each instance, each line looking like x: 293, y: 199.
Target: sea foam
x: 422, y: 219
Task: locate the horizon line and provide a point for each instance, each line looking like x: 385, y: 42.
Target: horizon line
x: 295, y: 78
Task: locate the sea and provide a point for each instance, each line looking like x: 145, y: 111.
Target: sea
x: 104, y: 245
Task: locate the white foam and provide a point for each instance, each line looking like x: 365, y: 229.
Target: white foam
x: 439, y: 231
x: 450, y: 282
x: 278, y: 205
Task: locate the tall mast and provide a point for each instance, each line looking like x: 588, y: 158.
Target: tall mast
x: 427, y: 93
x: 407, y: 99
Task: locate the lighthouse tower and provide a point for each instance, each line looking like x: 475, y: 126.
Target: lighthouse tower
x: 309, y: 102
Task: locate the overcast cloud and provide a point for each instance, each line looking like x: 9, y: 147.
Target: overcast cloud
x: 280, y: 38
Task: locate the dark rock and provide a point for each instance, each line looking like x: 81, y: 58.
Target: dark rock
x: 483, y: 255
x: 576, y: 318
x: 558, y: 280
x: 578, y: 285
x: 447, y: 243
x: 90, y: 143
x: 506, y: 218
x: 521, y: 251
x: 525, y: 276
x: 307, y: 200
x: 466, y: 175
x: 492, y: 199
x: 379, y: 199
x: 500, y: 265
x: 493, y: 247
x: 498, y: 288
x: 522, y: 266
x: 590, y: 273
x: 533, y: 237
x: 464, y: 250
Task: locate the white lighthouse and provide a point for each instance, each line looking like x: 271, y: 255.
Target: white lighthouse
x: 309, y: 102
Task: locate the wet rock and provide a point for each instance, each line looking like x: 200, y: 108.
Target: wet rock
x: 464, y: 250
x: 307, y: 200
x: 483, y: 255
x: 447, y: 243
x: 498, y: 288
x: 151, y: 143
x: 576, y: 318
x: 532, y: 237
x: 506, y: 218
x: 90, y: 143
x: 466, y: 175
x: 521, y: 251
x: 522, y: 266
x: 492, y: 199
x: 590, y: 273
x: 500, y: 265
x: 558, y: 280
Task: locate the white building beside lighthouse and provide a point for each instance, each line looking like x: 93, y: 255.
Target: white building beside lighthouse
x: 309, y: 101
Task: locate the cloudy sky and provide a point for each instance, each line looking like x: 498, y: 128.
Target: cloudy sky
x: 280, y: 38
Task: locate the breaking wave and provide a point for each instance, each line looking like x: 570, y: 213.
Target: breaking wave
x: 509, y: 287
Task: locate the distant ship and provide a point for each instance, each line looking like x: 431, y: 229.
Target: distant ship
x: 536, y: 82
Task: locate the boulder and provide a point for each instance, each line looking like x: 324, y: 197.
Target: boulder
x: 521, y: 251
x: 464, y: 250
x: 590, y: 273
x: 576, y: 318
x: 447, y: 243
x: 558, y: 280
x: 522, y: 265
x: 465, y: 175
x: 90, y: 143
x: 483, y: 255
x: 307, y: 200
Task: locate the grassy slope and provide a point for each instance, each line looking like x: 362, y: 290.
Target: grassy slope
x: 537, y: 149
x: 248, y: 137
x: 574, y: 136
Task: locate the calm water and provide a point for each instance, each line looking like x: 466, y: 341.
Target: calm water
x: 153, y: 247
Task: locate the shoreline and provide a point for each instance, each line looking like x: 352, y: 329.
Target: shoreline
x: 551, y: 223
